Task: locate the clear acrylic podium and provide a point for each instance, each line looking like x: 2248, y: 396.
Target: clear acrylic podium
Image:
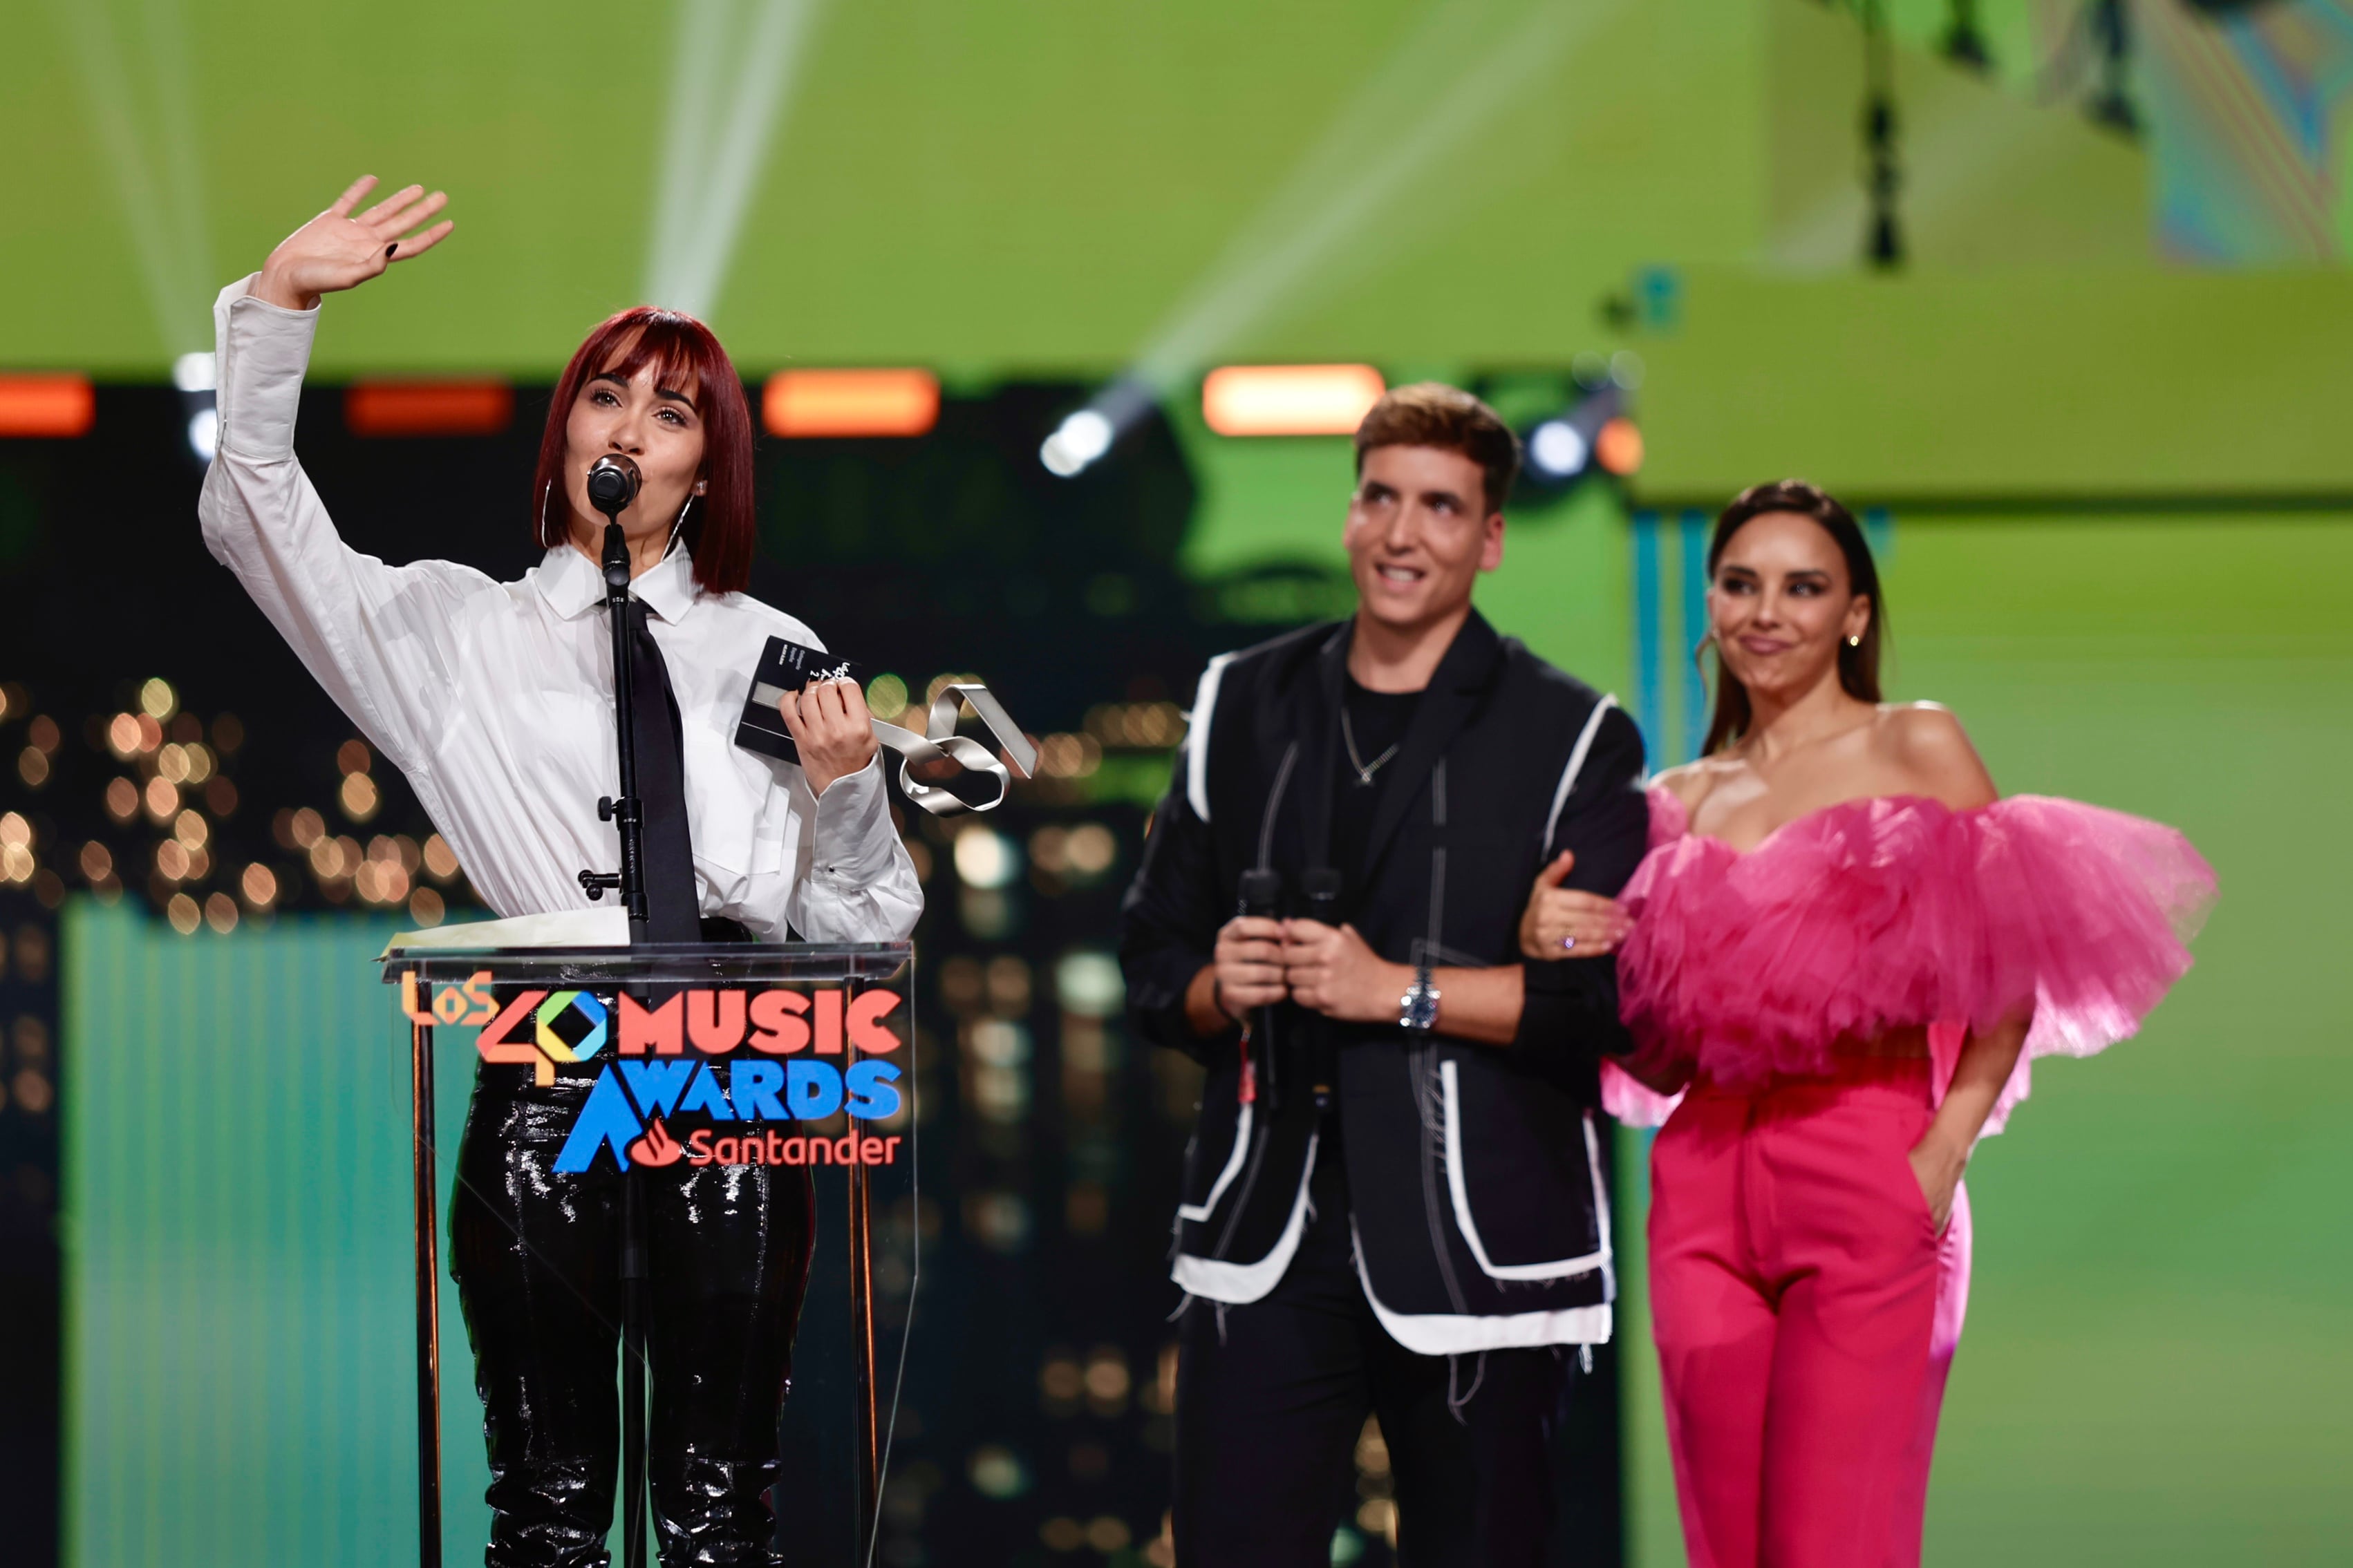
x: 822, y: 1032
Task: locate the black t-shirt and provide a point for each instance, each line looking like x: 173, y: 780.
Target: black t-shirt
x: 1378, y: 722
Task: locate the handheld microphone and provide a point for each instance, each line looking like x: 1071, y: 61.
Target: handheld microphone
x: 1261, y: 891
x: 1261, y: 895
x: 1320, y: 886
x: 613, y: 482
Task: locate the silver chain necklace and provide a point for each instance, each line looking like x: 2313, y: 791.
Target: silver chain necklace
x: 1365, y: 770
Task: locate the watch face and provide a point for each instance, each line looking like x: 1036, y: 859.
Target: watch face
x: 1420, y: 1009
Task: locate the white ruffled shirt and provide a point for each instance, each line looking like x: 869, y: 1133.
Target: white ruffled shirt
x: 495, y: 699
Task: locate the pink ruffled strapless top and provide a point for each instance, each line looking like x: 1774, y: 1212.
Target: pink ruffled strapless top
x: 1897, y: 912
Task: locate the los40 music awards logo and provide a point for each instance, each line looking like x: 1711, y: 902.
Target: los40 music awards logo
x: 679, y: 1059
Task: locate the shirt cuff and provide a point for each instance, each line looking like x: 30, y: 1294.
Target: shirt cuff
x: 1156, y: 999
x: 263, y: 351
x: 853, y: 841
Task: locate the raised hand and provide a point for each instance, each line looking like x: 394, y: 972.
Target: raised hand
x: 1562, y: 923
x: 336, y: 250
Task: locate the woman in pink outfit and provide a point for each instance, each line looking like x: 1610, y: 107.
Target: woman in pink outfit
x: 1837, y: 960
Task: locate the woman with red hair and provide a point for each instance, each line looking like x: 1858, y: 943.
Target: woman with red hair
x: 495, y: 700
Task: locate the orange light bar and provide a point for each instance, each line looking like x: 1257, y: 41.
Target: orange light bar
x: 851, y: 403
x: 427, y: 407
x: 1290, y: 399
x: 1618, y: 446
x: 47, y: 405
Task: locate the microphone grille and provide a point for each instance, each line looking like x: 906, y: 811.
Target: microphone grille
x: 612, y: 484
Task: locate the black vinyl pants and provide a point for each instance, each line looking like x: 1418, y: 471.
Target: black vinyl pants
x: 537, y: 1257
x: 1270, y: 1397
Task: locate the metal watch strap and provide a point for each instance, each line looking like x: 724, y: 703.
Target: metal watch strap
x: 1417, y: 1008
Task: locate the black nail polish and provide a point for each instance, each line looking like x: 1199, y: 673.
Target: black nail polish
x: 390, y: 248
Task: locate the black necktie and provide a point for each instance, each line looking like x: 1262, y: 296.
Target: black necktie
x: 674, y: 911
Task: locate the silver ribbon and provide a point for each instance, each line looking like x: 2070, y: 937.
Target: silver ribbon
x: 939, y: 743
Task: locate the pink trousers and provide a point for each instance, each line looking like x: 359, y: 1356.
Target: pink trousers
x: 1806, y: 1313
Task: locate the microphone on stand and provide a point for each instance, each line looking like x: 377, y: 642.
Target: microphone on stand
x: 613, y: 482
x: 1320, y: 887
x: 1261, y: 893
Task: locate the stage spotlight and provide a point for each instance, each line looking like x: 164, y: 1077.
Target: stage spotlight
x: 195, y: 375
x: 1562, y: 449
x: 203, y: 432
x: 47, y: 405
x: 398, y: 408
x: 1077, y: 443
x: 1557, y: 450
x: 804, y: 403
x: 1618, y: 447
x: 1290, y: 399
x: 1084, y: 438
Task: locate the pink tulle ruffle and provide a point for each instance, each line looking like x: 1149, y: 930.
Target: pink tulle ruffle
x: 1898, y: 912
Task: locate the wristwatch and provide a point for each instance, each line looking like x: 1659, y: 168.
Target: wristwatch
x: 1417, y: 1008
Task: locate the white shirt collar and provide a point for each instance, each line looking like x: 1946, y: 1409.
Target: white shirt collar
x: 573, y: 584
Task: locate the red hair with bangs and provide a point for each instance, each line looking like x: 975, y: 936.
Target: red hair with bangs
x: 721, y: 526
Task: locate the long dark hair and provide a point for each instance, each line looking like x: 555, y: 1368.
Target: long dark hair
x: 721, y: 527
x: 1858, y: 664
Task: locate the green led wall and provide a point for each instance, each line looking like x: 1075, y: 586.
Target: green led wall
x: 239, y: 1312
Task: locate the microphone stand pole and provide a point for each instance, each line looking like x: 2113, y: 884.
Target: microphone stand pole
x: 623, y: 810
x: 631, y: 883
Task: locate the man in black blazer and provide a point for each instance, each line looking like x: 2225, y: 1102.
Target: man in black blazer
x: 1394, y: 1199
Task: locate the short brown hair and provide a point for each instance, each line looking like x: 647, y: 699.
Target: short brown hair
x: 1432, y: 414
